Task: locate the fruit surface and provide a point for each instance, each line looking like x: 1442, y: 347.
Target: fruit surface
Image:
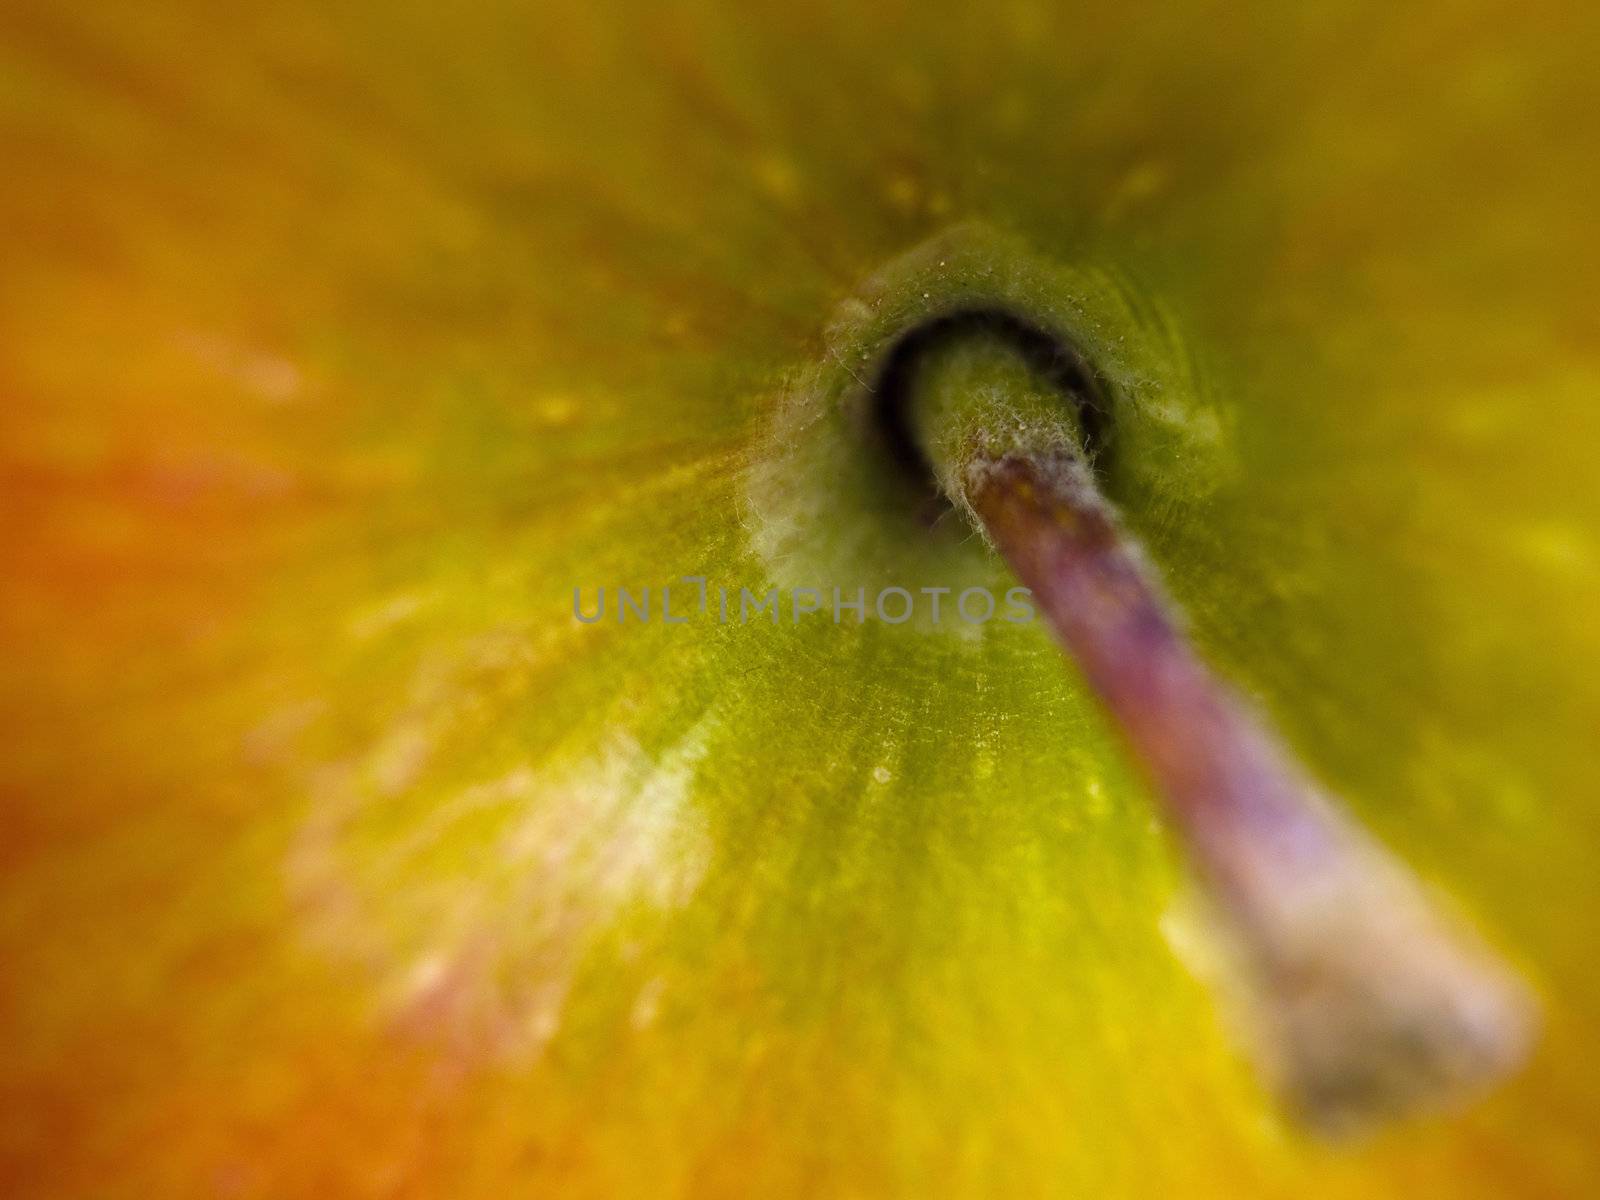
x: 341, y: 342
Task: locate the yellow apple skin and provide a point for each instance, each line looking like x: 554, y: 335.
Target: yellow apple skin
x: 343, y: 341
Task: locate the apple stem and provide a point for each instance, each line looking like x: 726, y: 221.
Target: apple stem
x: 1370, y: 999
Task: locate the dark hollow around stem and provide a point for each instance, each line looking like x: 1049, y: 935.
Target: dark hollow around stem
x: 1053, y: 357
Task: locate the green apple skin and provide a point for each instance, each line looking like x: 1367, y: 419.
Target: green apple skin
x: 344, y: 341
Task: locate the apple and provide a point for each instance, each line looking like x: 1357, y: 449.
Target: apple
x: 345, y: 342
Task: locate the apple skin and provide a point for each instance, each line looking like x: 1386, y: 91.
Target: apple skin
x: 345, y: 341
